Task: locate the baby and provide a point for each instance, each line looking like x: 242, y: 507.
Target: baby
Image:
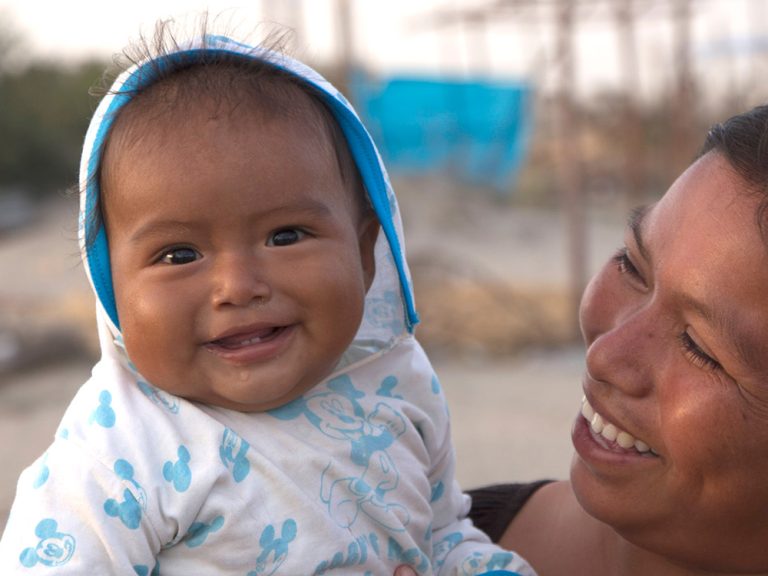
x: 261, y: 405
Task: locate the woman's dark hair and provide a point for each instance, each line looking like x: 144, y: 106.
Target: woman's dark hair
x: 743, y: 141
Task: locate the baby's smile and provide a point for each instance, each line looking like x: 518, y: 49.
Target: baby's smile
x: 246, y: 337
x: 248, y: 345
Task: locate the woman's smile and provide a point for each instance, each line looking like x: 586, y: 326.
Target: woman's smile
x: 610, y: 436
x: 610, y: 447
x: 599, y: 441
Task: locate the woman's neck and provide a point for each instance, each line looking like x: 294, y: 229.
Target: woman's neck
x: 556, y: 535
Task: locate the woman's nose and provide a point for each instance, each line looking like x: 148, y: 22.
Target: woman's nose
x: 625, y: 356
x: 238, y: 281
x: 622, y: 333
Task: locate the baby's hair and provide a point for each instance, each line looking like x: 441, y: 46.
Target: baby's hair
x: 222, y: 79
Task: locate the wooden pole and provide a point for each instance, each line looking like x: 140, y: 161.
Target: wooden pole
x: 631, y: 137
x: 683, y: 113
x: 346, y: 56
x: 569, y: 159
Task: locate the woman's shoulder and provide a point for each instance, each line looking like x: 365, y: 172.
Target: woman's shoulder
x: 495, y: 506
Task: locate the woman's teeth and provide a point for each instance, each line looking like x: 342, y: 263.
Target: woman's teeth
x: 610, y: 432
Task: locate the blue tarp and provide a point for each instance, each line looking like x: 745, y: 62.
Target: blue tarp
x: 475, y: 130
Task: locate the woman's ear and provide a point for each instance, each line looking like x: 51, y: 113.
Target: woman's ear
x: 367, y: 234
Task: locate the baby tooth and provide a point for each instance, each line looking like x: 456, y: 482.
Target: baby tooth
x: 625, y: 440
x: 597, y: 423
x: 641, y: 446
x: 610, y: 432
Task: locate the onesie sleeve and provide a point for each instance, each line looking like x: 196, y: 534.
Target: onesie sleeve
x: 78, y: 515
x: 459, y: 548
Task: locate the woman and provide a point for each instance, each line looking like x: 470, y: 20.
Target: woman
x: 670, y: 474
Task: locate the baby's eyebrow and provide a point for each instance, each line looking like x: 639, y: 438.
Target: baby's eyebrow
x: 171, y: 226
x: 159, y: 228
x: 309, y: 207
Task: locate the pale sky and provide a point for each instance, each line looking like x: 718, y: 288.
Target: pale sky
x: 397, y: 35
x: 100, y: 27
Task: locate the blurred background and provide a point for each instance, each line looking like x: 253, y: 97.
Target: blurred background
x: 518, y: 134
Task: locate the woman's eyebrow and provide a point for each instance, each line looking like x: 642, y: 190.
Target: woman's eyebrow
x: 746, y: 347
x: 635, y: 225
x: 736, y: 332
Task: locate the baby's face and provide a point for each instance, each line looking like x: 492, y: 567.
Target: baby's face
x: 239, y: 261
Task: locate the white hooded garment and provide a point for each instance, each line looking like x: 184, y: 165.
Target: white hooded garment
x: 354, y: 477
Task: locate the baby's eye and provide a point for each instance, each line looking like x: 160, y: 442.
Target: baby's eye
x: 285, y: 237
x: 181, y: 255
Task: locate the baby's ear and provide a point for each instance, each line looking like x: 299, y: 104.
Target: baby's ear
x: 367, y: 235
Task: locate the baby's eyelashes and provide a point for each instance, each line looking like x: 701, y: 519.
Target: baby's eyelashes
x: 179, y: 255
x: 286, y: 237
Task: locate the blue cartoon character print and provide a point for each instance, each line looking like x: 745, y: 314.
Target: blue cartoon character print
x: 178, y: 473
x: 232, y: 452
x: 43, y: 472
x: 199, y: 531
x: 54, y: 548
x: 103, y: 415
x: 411, y: 556
x: 383, y: 311
x: 386, y: 389
x: 164, y: 400
x: 441, y: 549
x: 435, y: 384
x: 338, y: 415
x: 142, y: 570
x: 134, y: 502
x: 356, y: 555
x: 274, y: 550
x: 478, y: 563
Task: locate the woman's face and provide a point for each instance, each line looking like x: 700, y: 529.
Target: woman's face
x: 676, y: 328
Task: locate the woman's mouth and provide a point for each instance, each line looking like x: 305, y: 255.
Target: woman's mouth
x: 610, y: 437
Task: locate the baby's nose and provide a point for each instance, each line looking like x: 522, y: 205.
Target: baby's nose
x: 239, y: 283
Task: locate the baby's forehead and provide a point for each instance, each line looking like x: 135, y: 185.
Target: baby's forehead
x: 225, y: 89
x: 168, y: 111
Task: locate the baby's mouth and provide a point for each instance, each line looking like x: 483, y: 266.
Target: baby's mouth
x: 610, y: 436
x: 247, y: 338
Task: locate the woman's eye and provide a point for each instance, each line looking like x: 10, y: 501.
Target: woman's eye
x: 624, y: 264
x: 178, y: 256
x: 285, y: 237
x: 696, y: 354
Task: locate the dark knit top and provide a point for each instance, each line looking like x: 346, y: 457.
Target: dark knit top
x: 494, y: 507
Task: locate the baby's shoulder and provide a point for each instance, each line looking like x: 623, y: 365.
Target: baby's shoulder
x: 133, y: 424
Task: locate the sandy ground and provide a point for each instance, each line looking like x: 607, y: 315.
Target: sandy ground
x: 511, y: 414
